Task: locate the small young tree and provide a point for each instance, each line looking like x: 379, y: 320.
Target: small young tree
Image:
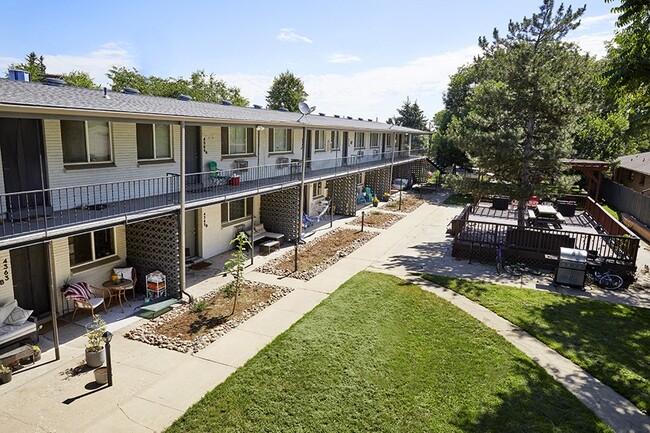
x: 235, y: 266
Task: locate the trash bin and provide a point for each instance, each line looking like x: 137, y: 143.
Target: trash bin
x: 566, y: 208
x: 572, y: 267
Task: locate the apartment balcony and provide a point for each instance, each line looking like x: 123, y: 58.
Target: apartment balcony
x: 32, y: 216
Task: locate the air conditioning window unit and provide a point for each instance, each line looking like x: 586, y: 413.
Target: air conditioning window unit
x: 282, y: 162
x: 240, y: 164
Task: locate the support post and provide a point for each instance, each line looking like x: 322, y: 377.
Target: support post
x: 55, y: 325
x: 181, y: 216
x: 300, y: 199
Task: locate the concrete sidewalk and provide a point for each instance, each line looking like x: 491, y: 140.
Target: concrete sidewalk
x: 152, y: 386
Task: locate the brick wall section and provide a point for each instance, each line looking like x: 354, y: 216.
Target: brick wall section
x: 344, y: 195
x: 379, y: 180
x: 279, y: 212
x: 153, y: 246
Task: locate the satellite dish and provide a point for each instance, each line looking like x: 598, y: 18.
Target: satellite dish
x: 304, y: 108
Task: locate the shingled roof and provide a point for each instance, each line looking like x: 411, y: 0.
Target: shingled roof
x: 78, y: 100
x: 639, y: 162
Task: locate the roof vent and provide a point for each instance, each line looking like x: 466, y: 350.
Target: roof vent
x: 360, y: 118
x: 282, y: 109
x: 58, y: 82
x: 185, y: 97
x: 369, y: 120
x: 18, y: 75
x: 350, y: 117
x: 337, y: 116
x: 258, y: 106
x: 130, y: 91
x: 321, y: 114
x: 106, y: 93
x: 224, y: 102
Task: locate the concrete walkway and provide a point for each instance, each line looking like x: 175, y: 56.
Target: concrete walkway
x: 152, y: 387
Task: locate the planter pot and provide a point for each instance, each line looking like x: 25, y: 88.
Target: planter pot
x: 375, y: 204
x: 5, y: 377
x: 95, y: 359
x: 101, y: 375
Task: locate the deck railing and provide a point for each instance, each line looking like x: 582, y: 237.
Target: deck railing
x: 40, y: 210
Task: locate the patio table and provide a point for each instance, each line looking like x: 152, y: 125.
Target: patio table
x: 118, y: 289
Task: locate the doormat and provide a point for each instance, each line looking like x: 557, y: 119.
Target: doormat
x: 200, y: 265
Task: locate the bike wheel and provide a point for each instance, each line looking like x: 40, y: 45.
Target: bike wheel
x: 612, y: 282
x: 534, y: 271
x: 512, y: 270
x: 499, y: 268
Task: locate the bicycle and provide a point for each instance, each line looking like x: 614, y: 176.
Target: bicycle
x: 605, y: 279
x: 515, y: 269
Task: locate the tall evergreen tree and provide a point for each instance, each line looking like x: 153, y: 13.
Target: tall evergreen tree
x: 286, y: 91
x: 523, y: 108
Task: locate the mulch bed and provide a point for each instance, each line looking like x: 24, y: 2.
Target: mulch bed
x: 319, y: 254
x: 186, y: 331
x: 377, y: 219
x: 409, y: 203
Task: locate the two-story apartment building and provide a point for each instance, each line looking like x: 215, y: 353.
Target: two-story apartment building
x: 95, y: 179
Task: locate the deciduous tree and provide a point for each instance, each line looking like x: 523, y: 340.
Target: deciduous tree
x: 286, y: 91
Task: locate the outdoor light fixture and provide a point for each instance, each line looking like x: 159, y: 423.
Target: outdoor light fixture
x: 107, y: 337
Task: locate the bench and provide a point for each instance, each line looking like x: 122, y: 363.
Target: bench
x: 259, y: 233
x: 531, y: 217
x: 154, y: 309
x: 269, y: 246
x: 14, y: 356
x: 560, y: 218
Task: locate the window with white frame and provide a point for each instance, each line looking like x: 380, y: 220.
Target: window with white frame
x: 335, y: 140
x: 236, y: 210
x: 86, y: 141
x: 237, y: 140
x: 154, y: 141
x: 90, y: 247
x: 359, y: 140
x: 317, y: 189
x: 319, y: 140
x: 280, y: 140
x: 374, y: 139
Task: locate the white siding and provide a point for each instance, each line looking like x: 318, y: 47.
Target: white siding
x: 125, y: 157
x: 215, y: 238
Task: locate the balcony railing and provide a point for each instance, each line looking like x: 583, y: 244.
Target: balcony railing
x: 53, y: 210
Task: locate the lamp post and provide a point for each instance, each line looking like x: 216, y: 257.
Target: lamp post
x: 107, y: 337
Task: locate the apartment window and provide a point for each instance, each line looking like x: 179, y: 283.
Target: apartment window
x: 85, y: 142
x: 280, y: 140
x: 236, y: 210
x: 359, y: 138
x: 317, y: 189
x: 335, y: 140
x: 90, y: 247
x: 374, y: 139
x: 642, y: 180
x: 237, y: 140
x: 319, y: 140
x: 154, y: 141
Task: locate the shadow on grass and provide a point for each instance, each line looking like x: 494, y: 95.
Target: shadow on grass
x: 538, y: 404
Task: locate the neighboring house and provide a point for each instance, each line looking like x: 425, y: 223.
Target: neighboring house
x: 634, y: 172
x: 92, y: 180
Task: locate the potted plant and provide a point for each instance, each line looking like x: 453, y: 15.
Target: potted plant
x: 386, y: 196
x: 375, y: 201
x: 37, y: 352
x: 95, y: 351
x: 5, y: 373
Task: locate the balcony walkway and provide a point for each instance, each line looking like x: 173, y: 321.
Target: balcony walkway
x: 81, y: 208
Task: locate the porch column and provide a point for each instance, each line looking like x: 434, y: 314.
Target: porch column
x: 181, y: 216
x: 55, y: 326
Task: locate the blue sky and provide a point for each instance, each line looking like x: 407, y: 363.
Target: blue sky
x: 357, y: 58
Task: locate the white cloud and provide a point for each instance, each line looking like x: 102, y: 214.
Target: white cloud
x: 342, y: 58
x: 598, y: 20
x: 593, y: 43
x: 289, y: 35
x: 96, y: 63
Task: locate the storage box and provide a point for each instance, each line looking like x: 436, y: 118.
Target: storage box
x: 233, y: 181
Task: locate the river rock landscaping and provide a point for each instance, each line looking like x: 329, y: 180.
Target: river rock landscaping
x: 319, y: 254
x: 191, y: 327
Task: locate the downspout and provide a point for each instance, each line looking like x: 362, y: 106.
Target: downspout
x: 181, y: 220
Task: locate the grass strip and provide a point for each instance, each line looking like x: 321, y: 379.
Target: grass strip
x: 382, y: 355
x: 610, y: 341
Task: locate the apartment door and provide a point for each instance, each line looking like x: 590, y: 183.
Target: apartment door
x: 23, y: 167
x: 192, y: 152
x: 344, y: 148
x: 191, y: 249
x: 308, y: 142
x: 29, y: 274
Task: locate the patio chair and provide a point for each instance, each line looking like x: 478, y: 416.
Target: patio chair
x: 216, y: 175
x: 369, y: 195
x: 85, y: 297
x: 128, y: 273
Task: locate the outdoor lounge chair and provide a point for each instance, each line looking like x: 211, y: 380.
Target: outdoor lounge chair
x: 85, y: 297
x: 216, y: 176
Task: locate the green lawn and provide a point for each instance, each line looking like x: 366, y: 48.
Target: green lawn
x: 459, y: 199
x: 610, y: 341
x: 382, y: 355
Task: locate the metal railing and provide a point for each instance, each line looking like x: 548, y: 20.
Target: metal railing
x: 42, y: 210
